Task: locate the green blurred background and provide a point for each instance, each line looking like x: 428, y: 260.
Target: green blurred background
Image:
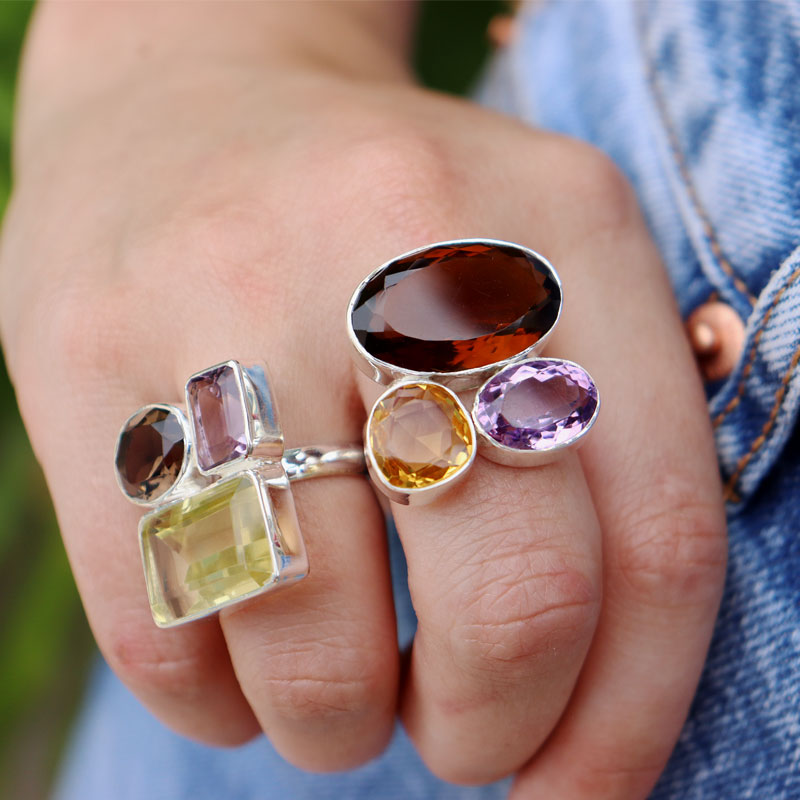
x: 46, y: 648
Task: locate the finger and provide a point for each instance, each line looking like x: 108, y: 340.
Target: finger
x: 319, y: 663
x: 504, y: 576
x: 183, y: 675
x: 652, y: 471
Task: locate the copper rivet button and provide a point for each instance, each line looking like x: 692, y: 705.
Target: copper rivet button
x: 502, y: 29
x: 717, y: 335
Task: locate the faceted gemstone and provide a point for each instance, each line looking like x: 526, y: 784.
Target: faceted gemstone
x: 207, y: 549
x: 451, y: 308
x: 150, y: 453
x: 537, y: 405
x: 219, y: 416
x: 419, y: 435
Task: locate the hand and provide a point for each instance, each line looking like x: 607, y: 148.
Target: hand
x: 229, y: 211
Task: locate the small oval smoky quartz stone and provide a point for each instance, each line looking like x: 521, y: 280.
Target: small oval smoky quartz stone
x: 150, y: 453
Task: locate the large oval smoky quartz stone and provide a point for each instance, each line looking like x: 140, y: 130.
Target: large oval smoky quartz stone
x: 456, y: 306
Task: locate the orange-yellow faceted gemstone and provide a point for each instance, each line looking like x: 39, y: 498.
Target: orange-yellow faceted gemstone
x: 419, y: 435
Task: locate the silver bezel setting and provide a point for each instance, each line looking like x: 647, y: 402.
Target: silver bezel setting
x: 289, y: 557
x: 499, y: 453
x: 425, y: 494
x: 386, y: 374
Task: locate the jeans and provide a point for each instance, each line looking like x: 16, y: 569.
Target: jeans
x: 699, y: 104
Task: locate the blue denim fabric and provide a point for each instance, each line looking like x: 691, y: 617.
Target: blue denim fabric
x: 699, y: 104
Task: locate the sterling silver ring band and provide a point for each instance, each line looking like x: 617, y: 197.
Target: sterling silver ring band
x: 301, y: 463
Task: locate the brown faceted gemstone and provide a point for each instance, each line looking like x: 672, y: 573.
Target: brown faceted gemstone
x: 150, y: 453
x: 456, y: 307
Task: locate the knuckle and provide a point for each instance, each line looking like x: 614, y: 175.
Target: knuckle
x: 524, y: 606
x: 108, y: 328
x: 673, y: 552
x: 143, y: 667
x: 188, y: 684
x: 222, y: 249
x: 404, y: 178
x: 89, y: 330
x: 207, y: 247
x: 527, y: 596
x: 324, y: 681
x: 320, y: 696
x: 605, y: 200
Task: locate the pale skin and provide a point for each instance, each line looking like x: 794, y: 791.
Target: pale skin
x: 205, y: 182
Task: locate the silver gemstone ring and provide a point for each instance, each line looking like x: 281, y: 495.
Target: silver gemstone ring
x: 455, y: 325
x: 222, y: 526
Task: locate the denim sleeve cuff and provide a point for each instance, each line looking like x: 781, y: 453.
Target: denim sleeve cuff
x: 755, y: 411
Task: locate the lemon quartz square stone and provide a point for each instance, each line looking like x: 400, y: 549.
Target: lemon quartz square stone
x: 208, y: 549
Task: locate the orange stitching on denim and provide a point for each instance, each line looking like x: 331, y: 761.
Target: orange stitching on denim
x: 730, y: 486
x: 751, y: 356
x: 674, y: 144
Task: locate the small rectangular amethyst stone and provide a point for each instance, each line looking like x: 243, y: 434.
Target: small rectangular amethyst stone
x: 218, y: 411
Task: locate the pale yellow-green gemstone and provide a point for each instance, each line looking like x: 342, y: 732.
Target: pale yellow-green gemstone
x: 206, y: 550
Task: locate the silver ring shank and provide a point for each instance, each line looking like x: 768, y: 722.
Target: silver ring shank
x: 318, y: 462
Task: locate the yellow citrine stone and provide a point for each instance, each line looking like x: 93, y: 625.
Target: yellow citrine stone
x: 419, y: 435
x: 207, y: 550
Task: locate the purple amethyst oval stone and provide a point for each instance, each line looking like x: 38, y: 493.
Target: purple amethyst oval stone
x: 537, y: 405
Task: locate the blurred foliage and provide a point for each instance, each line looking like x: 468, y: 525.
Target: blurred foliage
x: 451, y: 43
x: 45, y: 644
x: 13, y: 19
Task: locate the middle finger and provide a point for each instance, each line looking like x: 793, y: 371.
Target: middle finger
x: 504, y: 574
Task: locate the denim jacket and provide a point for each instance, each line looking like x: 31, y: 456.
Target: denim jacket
x: 699, y: 104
